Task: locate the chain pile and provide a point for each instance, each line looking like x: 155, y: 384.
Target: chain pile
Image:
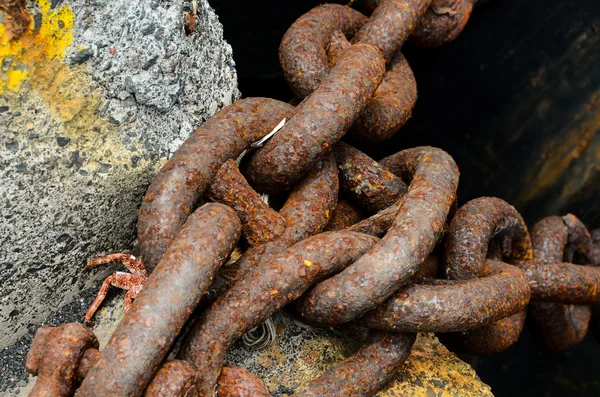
x: 416, y: 264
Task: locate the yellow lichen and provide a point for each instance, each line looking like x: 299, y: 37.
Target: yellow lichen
x: 32, y: 50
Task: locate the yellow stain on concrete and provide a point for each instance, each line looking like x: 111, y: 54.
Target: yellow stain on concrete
x: 37, y: 69
x: 431, y: 370
x: 25, y: 53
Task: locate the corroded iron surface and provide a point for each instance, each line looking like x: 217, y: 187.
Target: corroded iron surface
x: 453, y: 305
x: 365, y: 181
x: 411, y: 238
x: 344, y: 215
x: 558, y: 326
x: 173, y: 290
x: 482, y: 227
x: 260, y: 222
x: 237, y: 382
x: 266, y: 289
x: 176, y: 189
x: 54, y: 357
x: 367, y: 371
x: 321, y: 121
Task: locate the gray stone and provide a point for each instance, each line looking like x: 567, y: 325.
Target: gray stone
x: 83, y: 134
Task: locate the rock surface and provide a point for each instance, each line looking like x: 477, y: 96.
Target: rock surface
x: 301, y: 353
x: 94, y: 96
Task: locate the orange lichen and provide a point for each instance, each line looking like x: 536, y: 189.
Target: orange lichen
x: 33, y: 49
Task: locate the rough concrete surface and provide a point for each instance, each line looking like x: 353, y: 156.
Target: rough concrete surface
x: 94, y: 97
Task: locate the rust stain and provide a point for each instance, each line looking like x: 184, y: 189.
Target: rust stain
x: 34, y: 67
x: 17, y: 18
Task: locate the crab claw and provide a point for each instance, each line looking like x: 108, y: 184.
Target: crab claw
x: 132, y: 282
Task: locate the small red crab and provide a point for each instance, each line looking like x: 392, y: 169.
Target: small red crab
x: 132, y: 282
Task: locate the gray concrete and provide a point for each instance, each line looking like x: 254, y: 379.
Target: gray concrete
x: 82, y: 138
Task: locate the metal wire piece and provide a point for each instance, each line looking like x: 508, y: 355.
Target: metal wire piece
x: 261, y: 336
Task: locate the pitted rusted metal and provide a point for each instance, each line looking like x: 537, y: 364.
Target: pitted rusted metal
x: 237, y: 382
x: 476, y: 224
x: 174, y: 378
x: 365, y: 181
x: 285, y: 261
x: 303, y: 49
x: 148, y: 329
x: 338, y: 44
x: 179, y: 185
x: 306, y: 212
x: 566, y: 283
x: 363, y: 374
x: 558, y: 326
x: 391, y: 106
x: 62, y: 357
x: 443, y: 21
x: 394, y: 260
x: 344, y: 215
x: 453, y: 305
x: 595, y: 251
x: 55, y: 355
x: 430, y: 268
x: 260, y: 223
x: 393, y: 102
x: 487, y: 340
x: 595, y: 259
x: 263, y: 291
x: 390, y: 25
x: 321, y: 121
x: 580, y: 241
x: 315, y: 42
x: 378, y: 224
x: 88, y: 360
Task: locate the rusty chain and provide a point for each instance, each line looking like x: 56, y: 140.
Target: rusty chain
x: 371, y: 257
